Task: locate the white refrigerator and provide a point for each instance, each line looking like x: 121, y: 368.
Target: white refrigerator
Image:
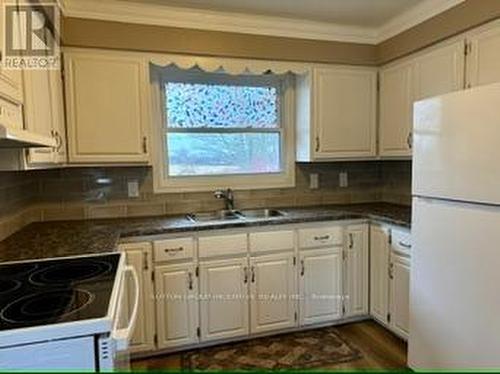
x: 455, y: 274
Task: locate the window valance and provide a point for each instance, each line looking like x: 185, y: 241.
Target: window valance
x: 230, y: 65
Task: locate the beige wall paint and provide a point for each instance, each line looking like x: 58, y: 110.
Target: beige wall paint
x: 115, y: 35
x: 465, y: 16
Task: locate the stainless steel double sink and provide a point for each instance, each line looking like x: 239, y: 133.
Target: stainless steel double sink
x: 229, y: 215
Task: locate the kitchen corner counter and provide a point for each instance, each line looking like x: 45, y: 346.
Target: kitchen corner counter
x: 72, y: 238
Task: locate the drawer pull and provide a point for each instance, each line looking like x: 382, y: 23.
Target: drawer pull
x: 173, y: 251
x: 324, y: 237
x: 405, y: 245
x: 351, y: 241
x: 302, y: 268
x: 190, y: 280
x: 253, y: 274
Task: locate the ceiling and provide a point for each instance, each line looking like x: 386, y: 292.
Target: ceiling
x: 365, y: 13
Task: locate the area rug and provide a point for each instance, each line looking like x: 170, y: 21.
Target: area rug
x: 301, y: 350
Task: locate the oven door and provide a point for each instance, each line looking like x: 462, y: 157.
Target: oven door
x: 126, y: 316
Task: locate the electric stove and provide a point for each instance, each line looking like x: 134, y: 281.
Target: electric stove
x: 47, y: 292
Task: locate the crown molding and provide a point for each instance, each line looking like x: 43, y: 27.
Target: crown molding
x: 414, y: 16
x: 163, y: 15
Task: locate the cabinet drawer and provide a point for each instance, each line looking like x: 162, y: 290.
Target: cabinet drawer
x: 271, y: 241
x: 211, y: 246
x: 401, y: 241
x: 173, y: 249
x: 320, y: 237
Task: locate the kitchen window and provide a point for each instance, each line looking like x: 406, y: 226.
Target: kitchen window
x: 221, y: 130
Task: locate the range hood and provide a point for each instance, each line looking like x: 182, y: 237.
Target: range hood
x: 12, y: 132
x: 14, y: 138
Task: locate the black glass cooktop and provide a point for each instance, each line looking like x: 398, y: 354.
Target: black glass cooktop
x: 63, y: 290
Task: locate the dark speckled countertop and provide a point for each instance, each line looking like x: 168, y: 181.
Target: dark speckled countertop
x: 71, y: 238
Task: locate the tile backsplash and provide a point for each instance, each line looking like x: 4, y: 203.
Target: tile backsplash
x: 79, y: 193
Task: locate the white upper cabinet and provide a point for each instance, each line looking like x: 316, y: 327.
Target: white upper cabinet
x: 336, y: 114
x: 356, y: 270
x: 107, y: 107
x: 439, y: 71
x: 272, y: 291
x: 434, y: 72
x: 11, y: 81
x: 484, y: 55
x: 44, y: 114
x: 396, y: 87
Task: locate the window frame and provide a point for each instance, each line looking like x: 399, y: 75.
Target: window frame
x: 165, y: 183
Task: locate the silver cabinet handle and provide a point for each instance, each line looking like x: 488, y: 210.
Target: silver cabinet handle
x: 351, y: 241
x: 146, y: 261
x: 190, y: 280
x: 173, y: 250
x: 409, y: 140
x: 245, y: 275
x: 391, y: 271
x: 324, y: 237
x: 253, y: 274
x: 302, y: 268
x: 405, y: 245
x: 317, y: 144
x: 145, y: 145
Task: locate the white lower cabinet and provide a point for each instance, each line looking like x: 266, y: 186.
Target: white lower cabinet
x: 273, y: 305
x: 139, y: 256
x: 390, y: 266
x: 228, y: 285
x: 400, y: 294
x: 379, y: 273
x: 320, y: 285
x: 356, y: 271
x: 177, y: 305
x: 224, y: 298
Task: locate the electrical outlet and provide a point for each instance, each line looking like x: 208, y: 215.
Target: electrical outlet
x: 133, y: 188
x: 313, y: 181
x: 343, y: 179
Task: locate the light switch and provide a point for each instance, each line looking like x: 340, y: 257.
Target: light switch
x: 313, y: 181
x: 343, y: 179
x: 133, y: 188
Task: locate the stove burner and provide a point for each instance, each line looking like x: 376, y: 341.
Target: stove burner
x: 62, y: 274
x: 9, y: 285
x: 16, y: 270
x: 45, y: 306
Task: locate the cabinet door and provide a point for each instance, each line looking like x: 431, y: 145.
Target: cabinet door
x: 400, y: 295
x: 224, y: 301
x: 344, y: 102
x: 11, y: 81
x: 396, y: 110
x: 320, y: 285
x: 38, y: 112
x: 139, y: 256
x: 177, y: 305
x: 439, y: 71
x: 58, y: 116
x: 106, y: 107
x: 356, y: 271
x: 379, y: 273
x: 272, y: 292
x: 482, y: 61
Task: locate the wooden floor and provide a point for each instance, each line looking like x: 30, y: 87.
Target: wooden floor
x: 380, y: 350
